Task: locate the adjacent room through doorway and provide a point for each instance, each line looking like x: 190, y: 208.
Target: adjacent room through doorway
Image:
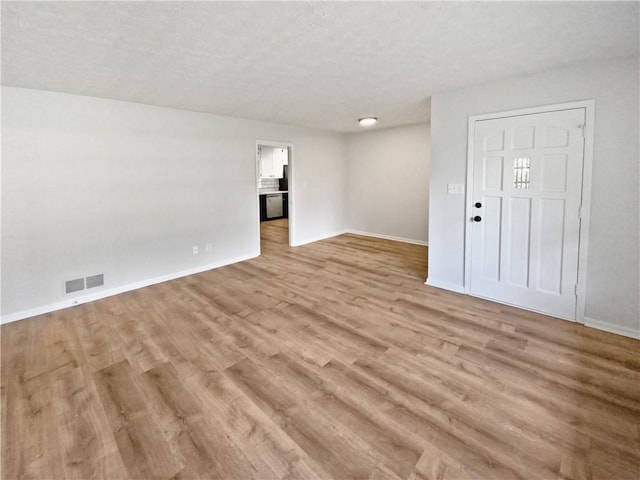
x: 273, y: 163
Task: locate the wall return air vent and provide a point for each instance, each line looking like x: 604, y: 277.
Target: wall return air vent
x: 77, y: 284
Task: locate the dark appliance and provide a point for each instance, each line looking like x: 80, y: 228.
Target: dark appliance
x: 284, y: 181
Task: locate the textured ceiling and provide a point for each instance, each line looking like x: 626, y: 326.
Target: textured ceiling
x: 310, y: 64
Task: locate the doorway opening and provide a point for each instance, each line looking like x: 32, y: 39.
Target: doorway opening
x: 274, y: 185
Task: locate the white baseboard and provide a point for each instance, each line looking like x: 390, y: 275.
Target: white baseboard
x: 445, y: 285
x: 611, y: 328
x: 317, y: 239
x: 52, y: 307
x: 588, y: 322
x: 72, y: 302
x: 388, y: 237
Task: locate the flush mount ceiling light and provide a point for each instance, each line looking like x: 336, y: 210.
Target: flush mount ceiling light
x: 367, y: 121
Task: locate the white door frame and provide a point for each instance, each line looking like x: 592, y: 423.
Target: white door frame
x: 290, y: 203
x: 585, y: 208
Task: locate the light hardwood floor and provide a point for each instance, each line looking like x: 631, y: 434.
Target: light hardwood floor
x: 330, y: 360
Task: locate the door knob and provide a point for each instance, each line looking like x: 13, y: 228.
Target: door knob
x: 477, y: 218
x: 477, y: 205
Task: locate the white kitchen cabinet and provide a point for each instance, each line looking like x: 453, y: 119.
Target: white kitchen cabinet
x: 280, y: 156
x: 266, y: 162
x: 271, y: 161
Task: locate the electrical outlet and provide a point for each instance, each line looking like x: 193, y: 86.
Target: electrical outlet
x: 195, y: 249
x: 209, y: 248
x: 455, y: 188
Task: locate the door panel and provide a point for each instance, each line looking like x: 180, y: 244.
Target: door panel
x: 492, y: 173
x: 556, y: 137
x: 554, y: 173
x: 523, y: 137
x: 528, y: 177
x: 494, y: 142
x: 551, y: 246
x: 520, y: 221
x: 491, y: 238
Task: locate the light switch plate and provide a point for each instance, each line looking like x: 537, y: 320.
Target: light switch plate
x: 455, y: 188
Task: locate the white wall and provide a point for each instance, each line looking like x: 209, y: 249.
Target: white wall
x: 613, y: 264
x: 388, y: 182
x: 99, y: 186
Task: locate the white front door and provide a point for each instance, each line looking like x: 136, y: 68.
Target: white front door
x: 527, y: 189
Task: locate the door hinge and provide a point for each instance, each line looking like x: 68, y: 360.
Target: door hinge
x: 580, y: 212
x: 575, y: 289
x: 582, y: 127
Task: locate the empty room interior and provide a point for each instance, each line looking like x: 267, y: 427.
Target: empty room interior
x: 320, y: 240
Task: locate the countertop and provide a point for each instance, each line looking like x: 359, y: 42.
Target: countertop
x: 269, y: 192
